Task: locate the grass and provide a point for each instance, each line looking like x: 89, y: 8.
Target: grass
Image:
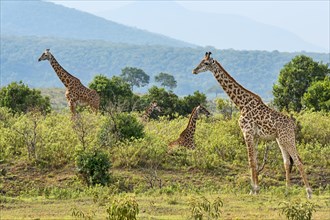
x: 236, y: 206
x: 170, y: 201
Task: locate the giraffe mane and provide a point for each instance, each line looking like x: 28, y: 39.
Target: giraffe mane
x: 191, y: 115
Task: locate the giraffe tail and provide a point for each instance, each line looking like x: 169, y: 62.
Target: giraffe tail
x: 291, y: 164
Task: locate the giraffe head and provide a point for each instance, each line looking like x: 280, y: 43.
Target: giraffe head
x: 205, y: 64
x: 155, y: 106
x: 45, y: 55
x: 202, y: 110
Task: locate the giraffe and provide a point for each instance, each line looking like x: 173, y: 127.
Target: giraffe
x: 186, y: 137
x: 76, y: 92
x: 152, y: 107
x: 258, y: 121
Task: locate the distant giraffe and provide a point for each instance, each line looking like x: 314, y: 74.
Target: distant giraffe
x: 76, y: 92
x: 186, y: 138
x: 152, y: 107
x: 257, y: 121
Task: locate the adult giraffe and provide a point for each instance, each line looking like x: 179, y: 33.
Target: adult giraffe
x: 257, y: 121
x: 75, y: 91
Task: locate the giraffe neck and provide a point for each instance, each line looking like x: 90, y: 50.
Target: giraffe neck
x: 237, y: 93
x: 62, y: 74
x: 147, y: 112
x: 192, y: 121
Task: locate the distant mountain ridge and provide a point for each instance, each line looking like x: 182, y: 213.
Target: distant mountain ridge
x: 255, y: 70
x: 220, y: 30
x: 39, y: 18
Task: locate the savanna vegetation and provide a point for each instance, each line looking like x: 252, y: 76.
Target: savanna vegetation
x: 114, y: 166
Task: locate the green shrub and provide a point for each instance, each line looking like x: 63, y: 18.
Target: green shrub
x: 120, y: 127
x: 202, y: 208
x: 297, y: 211
x: 123, y: 209
x: 93, y: 167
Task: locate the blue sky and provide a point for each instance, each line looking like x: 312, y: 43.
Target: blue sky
x: 293, y: 16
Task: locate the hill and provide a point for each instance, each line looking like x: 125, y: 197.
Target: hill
x: 255, y: 70
x: 39, y: 18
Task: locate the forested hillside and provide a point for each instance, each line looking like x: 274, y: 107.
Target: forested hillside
x: 255, y: 70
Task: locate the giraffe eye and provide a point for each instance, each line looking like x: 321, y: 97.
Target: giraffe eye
x: 206, y: 64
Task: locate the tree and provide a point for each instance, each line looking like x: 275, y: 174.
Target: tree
x: 134, y: 77
x: 191, y: 101
x: 317, y: 97
x: 226, y: 107
x: 20, y: 98
x: 167, y: 101
x: 294, y: 80
x: 114, y: 92
x: 166, y: 80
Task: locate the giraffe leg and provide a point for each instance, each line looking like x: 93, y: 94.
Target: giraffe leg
x: 300, y: 166
x: 287, y: 164
x: 72, y: 106
x: 292, y: 152
x: 252, y: 155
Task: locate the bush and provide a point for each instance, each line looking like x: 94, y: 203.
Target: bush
x: 202, y: 207
x: 298, y: 211
x: 93, y: 167
x: 120, y: 127
x: 123, y: 209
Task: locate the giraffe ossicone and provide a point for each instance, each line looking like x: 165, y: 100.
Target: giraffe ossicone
x: 257, y: 121
x: 76, y: 92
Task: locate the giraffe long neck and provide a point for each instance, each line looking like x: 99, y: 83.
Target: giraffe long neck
x: 192, y: 121
x: 237, y: 93
x: 62, y: 74
x: 148, y: 112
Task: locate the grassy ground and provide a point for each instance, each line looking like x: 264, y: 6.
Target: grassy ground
x: 236, y: 206
x: 164, y: 195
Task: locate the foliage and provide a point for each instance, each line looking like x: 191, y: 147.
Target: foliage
x: 294, y: 80
x: 226, y: 107
x: 317, y: 96
x: 85, y: 58
x: 202, y: 208
x: 134, y: 77
x: 168, y: 101
x: 191, y: 101
x: 298, y: 211
x: 120, y: 127
x: 20, y: 98
x: 123, y: 209
x: 166, y: 80
x: 113, y: 92
x: 93, y: 167
x: 79, y: 214
x: 314, y: 127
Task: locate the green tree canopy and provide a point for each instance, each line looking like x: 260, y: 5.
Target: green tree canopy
x: 166, y: 80
x: 114, y: 91
x: 20, y: 98
x: 168, y: 101
x: 294, y: 79
x: 317, y: 97
x: 191, y: 101
x: 134, y: 77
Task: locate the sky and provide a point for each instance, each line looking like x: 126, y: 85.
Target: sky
x: 289, y: 15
